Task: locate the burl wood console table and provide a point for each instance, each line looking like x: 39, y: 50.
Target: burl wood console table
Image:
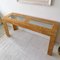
x: 40, y: 25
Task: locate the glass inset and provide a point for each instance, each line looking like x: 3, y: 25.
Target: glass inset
x: 21, y: 18
x: 46, y: 25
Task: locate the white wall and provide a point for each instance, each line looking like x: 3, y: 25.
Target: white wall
x: 52, y: 12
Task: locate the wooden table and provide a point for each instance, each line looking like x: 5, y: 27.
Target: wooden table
x: 40, y: 25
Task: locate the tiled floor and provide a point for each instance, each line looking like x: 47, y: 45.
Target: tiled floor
x: 23, y: 45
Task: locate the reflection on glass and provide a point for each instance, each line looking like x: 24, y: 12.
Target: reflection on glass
x: 49, y: 26
x: 21, y: 18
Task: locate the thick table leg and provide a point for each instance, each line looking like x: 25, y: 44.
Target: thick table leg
x: 6, y: 29
x: 51, y: 44
x: 15, y: 27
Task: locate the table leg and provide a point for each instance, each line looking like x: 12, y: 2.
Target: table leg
x: 51, y: 44
x: 6, y: 29
x: 15, y: 27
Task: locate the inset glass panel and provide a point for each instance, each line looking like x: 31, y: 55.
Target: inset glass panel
x: 46, y: 25
x: 21, y: 18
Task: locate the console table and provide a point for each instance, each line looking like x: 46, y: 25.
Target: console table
x: 40, y: 25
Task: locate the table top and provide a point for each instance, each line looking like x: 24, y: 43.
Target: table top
x: 32, y: 22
